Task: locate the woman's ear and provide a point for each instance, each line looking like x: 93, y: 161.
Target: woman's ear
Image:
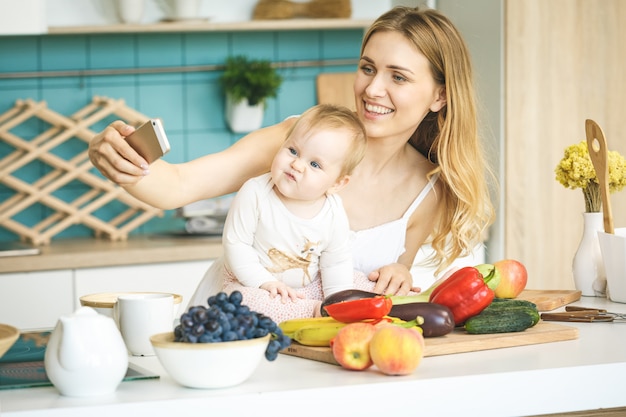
x: 440, y: 100
x: 341, y: 182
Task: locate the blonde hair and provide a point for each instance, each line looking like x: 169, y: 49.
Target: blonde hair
x: 448, y: 138
x: 323, y: 116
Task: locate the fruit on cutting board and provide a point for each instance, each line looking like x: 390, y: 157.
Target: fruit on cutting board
x: 351, y: 346
x: 513, y: 278
x: 396, y: 350
x: 319, y: 331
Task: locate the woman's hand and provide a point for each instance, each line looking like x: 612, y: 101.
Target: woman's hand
x: 277, y: 288
x: 393, y: 279
x: 114, y: 157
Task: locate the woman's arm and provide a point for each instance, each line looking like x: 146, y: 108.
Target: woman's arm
x: 170, y: 186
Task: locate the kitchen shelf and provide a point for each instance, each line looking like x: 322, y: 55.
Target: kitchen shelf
x: 208, y: 26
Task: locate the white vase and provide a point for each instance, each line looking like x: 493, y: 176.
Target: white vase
x: 242, y: 117
x: 588, y: 267
x: 130, y: 11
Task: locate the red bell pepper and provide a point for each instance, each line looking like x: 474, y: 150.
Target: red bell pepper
x: 362, y: 309
x: 465, y: 293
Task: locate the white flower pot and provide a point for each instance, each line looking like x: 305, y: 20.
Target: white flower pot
x: 243, y: 118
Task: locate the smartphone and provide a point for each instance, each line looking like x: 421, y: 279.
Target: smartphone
x: 149, y: 140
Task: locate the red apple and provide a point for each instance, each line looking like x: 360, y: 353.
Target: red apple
x: 351, y: 346
x: 397, y: 350
x: 513, y: 278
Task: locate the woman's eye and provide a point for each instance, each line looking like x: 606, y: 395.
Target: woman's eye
x: 292, y: 151
x: 399, y: 78
x: 367, y: 70
x: 315, y: 165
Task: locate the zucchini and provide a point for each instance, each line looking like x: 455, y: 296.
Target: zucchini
x: 502, y: 320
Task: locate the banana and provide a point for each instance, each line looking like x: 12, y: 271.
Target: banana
x: 317, y: 335
x: 289, y: 327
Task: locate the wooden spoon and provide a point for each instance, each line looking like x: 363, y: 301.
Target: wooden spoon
x: 598, y: 152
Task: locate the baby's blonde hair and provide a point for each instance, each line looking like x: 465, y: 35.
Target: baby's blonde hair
x: 330, y: 116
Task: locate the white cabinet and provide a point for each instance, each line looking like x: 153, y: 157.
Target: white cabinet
x: 176, y: 277
x: 35, y: 300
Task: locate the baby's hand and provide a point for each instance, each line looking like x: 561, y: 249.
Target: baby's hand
x: 284, y: 291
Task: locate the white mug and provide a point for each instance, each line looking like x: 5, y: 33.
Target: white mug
x: 140, y: 316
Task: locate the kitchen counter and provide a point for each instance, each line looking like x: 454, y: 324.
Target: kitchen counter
x: 588, y: 373
x: 91, y: 252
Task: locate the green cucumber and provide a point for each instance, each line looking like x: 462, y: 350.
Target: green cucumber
x: 507, y: 302
x: 500, y: 304
x: 502, y: 320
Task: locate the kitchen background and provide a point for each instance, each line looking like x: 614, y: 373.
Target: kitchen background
x: 542, y: 68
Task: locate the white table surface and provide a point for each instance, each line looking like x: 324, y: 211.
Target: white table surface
x: 583, y: 374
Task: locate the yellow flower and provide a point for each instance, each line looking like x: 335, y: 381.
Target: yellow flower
x: 576, y: 170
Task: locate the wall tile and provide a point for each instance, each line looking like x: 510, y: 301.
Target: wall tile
x: 112, y: 51
x: 19, y: 53
x: 63, y: 53
x: 190, y: 103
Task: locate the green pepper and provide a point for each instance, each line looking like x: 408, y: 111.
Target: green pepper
x: 362, y: 309
x: 466, y: 293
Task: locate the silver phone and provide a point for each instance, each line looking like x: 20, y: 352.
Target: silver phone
x: 149, y: 140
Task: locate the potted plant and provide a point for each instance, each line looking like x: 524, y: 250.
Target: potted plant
x: 248, y: 84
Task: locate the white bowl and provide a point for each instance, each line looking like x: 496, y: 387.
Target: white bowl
x: 103, y: 302
x: 209, y: 365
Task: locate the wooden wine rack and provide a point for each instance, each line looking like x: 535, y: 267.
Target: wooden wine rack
x: 44, y: 191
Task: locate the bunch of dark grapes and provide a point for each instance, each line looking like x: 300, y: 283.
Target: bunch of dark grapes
x: 225, y: 320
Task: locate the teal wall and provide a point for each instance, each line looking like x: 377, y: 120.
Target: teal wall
x: 190, y: 103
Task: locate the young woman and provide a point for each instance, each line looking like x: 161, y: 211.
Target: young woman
x: 422, y: 183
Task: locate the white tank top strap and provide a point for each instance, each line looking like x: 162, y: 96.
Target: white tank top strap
x: 421, y: 196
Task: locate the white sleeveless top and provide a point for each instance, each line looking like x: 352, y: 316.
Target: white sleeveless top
x: 383, y: 244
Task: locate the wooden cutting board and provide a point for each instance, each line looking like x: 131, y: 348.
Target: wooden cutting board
x: 547, y: 300
x: 461, y: 342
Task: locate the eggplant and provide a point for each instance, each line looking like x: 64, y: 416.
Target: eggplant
x: 438, y: 319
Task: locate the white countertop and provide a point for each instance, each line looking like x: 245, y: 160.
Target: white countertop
x: 583, y: 374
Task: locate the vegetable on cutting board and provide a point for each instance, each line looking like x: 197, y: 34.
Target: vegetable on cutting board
x: 504, y: 316
x: 466, y: 293
x: 437, y: 320
x: 361, y: 309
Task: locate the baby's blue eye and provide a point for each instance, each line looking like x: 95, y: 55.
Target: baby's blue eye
x: 315, y: 164
x: 293, y: 151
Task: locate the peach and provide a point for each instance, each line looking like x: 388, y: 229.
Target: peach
x: 397, y: 350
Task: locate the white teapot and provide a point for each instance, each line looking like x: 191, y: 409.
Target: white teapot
x: 86, y: 355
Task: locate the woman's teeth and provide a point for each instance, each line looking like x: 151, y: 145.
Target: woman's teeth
x: 377, y: 109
